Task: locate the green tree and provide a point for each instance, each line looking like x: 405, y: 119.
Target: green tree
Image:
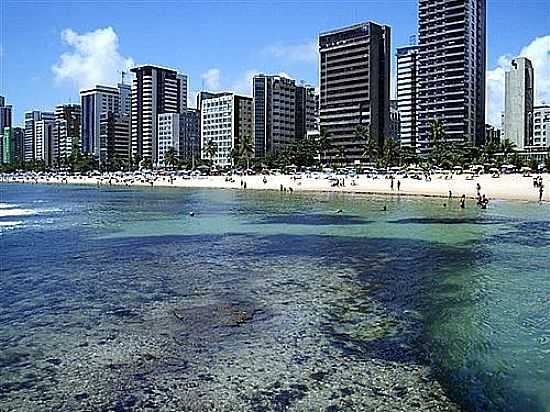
x: 323, y: 142
x: 246, y: 149
x: 391, y: 154
x: 507, y: 147
x: 170, y: 158
x: 437, y: 132
x: 361, y: 133
x: 210, y: 150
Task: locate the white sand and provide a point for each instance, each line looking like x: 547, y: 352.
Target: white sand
x: 507, y: 187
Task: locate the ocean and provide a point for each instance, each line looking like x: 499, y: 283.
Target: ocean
x: 119, y: 299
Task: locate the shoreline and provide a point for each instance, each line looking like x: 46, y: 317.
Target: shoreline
x: 507, y: 187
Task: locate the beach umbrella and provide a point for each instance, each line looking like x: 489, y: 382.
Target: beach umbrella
x: 525, y: 169
x: 493, y: 169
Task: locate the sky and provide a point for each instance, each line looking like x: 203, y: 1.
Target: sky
x: 49, y: 50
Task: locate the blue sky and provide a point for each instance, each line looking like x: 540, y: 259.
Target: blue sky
x: 218, y: 44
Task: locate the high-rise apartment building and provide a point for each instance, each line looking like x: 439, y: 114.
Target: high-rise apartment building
x: 190, y: 141
x: 155, y: 90
x: 305, y: 118
x: 94, y: 102
x: 18, y: 144
x: 66, y: 133
x: 7, y: 145
x: 451, y: 76
x: 125, y: 98
x: 407, y: 92
x: 395, y: 121
x: 274, y: 113
x: 5, y: 120
x: 541, y: 126
x: 519, y: 101
x: 225, y: 119
x: 115, y: 135
x: 30, y: 143
x: 44, y: 144
x: 169, y: 132
x: 354, y: 87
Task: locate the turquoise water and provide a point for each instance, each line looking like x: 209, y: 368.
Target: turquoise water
x: 117, y: 299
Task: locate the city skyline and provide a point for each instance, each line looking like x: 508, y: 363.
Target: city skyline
x: 73, y: 46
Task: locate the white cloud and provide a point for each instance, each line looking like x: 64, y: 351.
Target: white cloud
x: 94, y: 58
x: 214, y: 81
x: 538, y: 51
x: 211, y: 79
x: 299, y: 53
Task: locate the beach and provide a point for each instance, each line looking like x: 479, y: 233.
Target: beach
x: 506, y: 187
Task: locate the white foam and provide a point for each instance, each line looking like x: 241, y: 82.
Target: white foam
x: 10, y: 224
x: 7, y: 206
x: 17, y: 212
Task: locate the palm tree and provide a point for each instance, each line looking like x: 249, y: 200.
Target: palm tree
x: 507, y: 147
x: 324, y: 142
x: 391, y: 152
x: 437, y: 131
x: 170, y: 158
x: 246, y: 149
x: 210, y: 150
x: 370, y: 150
x: 361, y: 133
x: 341, y: 154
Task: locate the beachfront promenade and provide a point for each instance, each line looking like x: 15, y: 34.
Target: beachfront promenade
x: 505, y: 187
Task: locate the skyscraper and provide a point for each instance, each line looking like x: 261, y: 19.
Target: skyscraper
x: 305, y: 117
x: 43, y: 140
x: 354, y: 86
x: 225, y: 119
x: 519, y: 101
x: 452, y: 70
x: 5, y: 120
x: 274, y: 113
x: 155, y: 90
x: 94, y: 102
x: 541, y: 126
x: 115, y: 134
x: 66, y: 132
x: 407, y: 91
x: 18, y: 144
x: 31, y: 119
x: 7, y: 145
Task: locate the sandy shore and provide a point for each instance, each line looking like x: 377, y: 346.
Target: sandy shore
x: 507, y: 187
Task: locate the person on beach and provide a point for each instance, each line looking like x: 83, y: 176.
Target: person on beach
x: 478, y: 187
x: 484, y: 202
x: 398, y: 185
x: 264, y: 180
x: 391, y: 183
x: 244, y: 185
x: 450, y: 194
x: 282, y: 187
x: 463, y: 202
x: 541, y: 191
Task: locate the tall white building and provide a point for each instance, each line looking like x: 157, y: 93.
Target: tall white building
x: 519, y: 101
x: 155, y: 90
x: 5, y: 120
x: 44, y: 144
x: 407, y: 91
x: 168, y: 135
x: 541, y: 126
x: 66, y: 131
x: 225, y: 119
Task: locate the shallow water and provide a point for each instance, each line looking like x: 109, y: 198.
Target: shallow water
x: 115, y: 299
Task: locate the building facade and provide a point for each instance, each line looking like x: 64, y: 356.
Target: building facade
x: 395, y: 121
x: 492, y: 134
x: 225, y: 119
x: 407, y: 93
x: 155, y: 90
x: 190, y: 140
x: 43, y: 141
x: 30, y: 143
x: 305, y: 117
x: 66, y: 132
x: 541, y: 126
x: 451, y: 75
x: 94, y: 102
x: 519, y: 102
x: 115, y: 135
x: 354, y: 87
x: 18, y: 144
x: 5, y: 120
x: 7, y: 145
x: 168, y: 136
